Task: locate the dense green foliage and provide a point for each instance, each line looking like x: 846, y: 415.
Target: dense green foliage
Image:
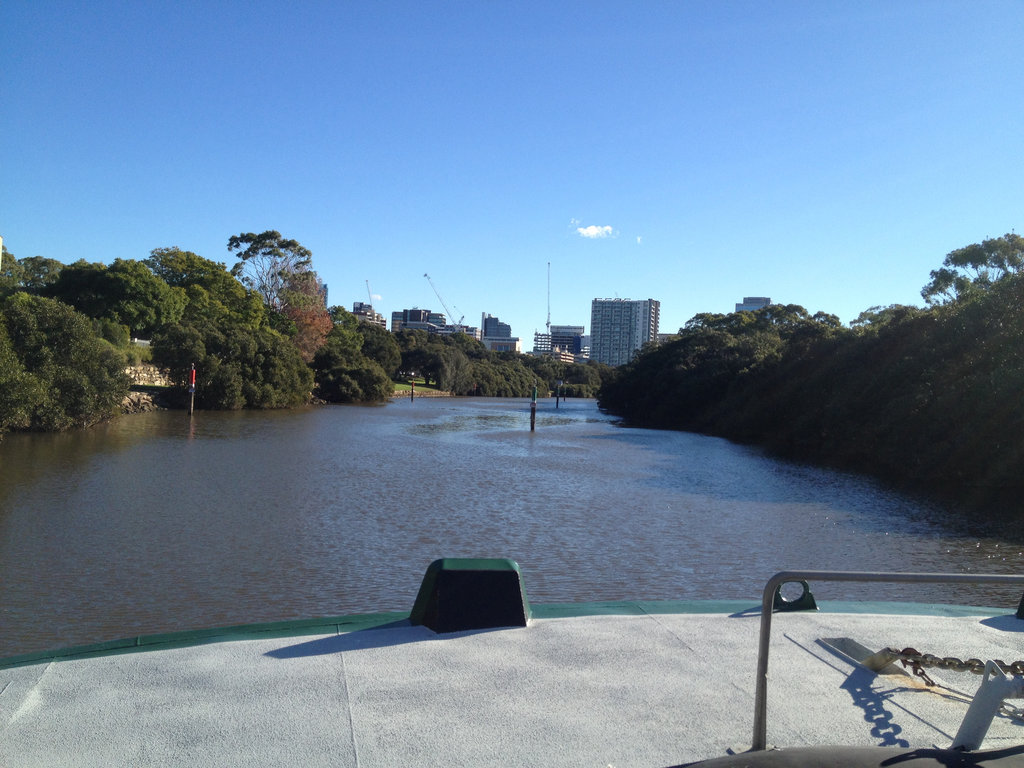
x: 463, y: 366
x: 224, y: 330
x: 66, y: 330
x: 236, y: 367
x: 28, y: 275
x: 55, y: 371
x: 929, y: 397
x: 126, y: 292
x: 258, y: 336
x: 212, y: 293
x: 347, y: 369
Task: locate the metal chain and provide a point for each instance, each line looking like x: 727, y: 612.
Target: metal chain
x: 916, y: 661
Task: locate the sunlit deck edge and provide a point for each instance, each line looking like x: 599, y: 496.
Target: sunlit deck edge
x: 370, y: 621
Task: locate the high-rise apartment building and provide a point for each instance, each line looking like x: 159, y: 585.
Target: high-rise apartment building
x: 620, y: 327
x: 366, y: 313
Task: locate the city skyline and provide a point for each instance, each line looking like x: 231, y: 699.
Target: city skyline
x: 824, y: 155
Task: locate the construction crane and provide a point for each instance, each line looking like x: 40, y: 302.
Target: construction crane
x: 549, y: 299
x: 451, y: 315
x: 369, y: 293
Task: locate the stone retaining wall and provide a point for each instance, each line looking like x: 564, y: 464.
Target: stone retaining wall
x: 147, y: 375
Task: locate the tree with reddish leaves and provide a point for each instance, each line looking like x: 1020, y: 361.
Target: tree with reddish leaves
x: 304, y: 304
x: 281, y: 271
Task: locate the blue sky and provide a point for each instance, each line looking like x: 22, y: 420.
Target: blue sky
x: 821, y: 153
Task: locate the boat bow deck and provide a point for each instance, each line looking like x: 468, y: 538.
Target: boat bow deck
x: 647, y: 689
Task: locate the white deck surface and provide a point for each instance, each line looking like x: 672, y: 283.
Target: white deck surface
x: 650, y: 690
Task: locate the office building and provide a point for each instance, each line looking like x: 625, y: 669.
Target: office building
x: 567, y: 338
x: 620, y: 327
x: 431, y: 322
x: 497, y: 336
x: 422, y: 319
x: 750, y: 303
x: 502, y: 343
x: 560, y: 338
x: 494, y: 328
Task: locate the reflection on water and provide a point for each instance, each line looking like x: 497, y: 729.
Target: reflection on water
x: 157, y: 522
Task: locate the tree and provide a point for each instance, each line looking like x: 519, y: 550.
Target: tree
x: 267, y: 263
x: 11, y: 273
x: 343, y: 373
x: 212, y: 292
x: 39, y: 272
x: 454, y: 374
x: 19, y: 391
x: 32, y: 274
x: 236, y: 367
x: 380, y: 346
x: 303, y: 304
x: 975, y: 267
x: 874, y: 318
x: 65, y: 376
x: 126, y: 292
x: 140, y: 299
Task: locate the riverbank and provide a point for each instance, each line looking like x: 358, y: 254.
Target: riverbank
x: 148, y: 389
x: 404, y: 389
x: 420, y: 393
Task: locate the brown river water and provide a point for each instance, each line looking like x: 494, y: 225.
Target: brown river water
x: 158, y: 522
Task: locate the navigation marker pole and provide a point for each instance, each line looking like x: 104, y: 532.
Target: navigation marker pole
x: 412, y: 391
x: 533, y: 410
x: 192, y: 390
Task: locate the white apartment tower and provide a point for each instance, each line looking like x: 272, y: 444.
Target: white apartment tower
x: 620, y: 327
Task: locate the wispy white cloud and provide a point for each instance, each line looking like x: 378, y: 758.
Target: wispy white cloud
x: 594, y: 232
x: 639, y: 239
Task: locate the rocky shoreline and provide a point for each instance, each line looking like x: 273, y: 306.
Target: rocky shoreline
x: 148, y: 389
x: 149, y: 385
x: 143, y: 400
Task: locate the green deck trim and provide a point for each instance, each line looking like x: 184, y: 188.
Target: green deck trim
x: 474, y: 564
x: 186, y: 638
x: 370, y: 621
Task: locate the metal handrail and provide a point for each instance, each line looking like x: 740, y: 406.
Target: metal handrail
x: 784, y: 577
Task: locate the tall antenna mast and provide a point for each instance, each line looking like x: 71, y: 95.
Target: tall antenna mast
x: 549, y: 299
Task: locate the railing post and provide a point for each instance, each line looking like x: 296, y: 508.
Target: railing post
x: 760, y: 738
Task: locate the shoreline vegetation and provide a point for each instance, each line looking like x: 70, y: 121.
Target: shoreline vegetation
x: 923, y: 397
x: 927, y: 399
x: 256, y: 335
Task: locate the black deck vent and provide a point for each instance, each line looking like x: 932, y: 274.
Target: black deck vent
x: 471, y: 593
